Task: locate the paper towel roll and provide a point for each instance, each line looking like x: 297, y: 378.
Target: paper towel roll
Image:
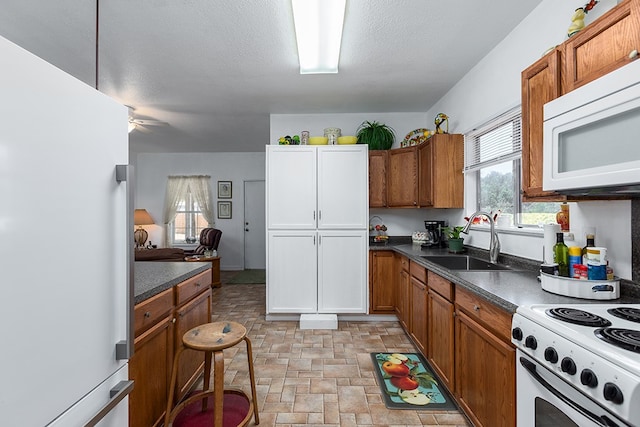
x: 550, y: 240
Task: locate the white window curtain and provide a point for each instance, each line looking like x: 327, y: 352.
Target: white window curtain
x: 177, y: 187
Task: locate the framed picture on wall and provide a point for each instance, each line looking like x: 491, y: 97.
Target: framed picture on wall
x: 224, y: 210
x: 224, y: 189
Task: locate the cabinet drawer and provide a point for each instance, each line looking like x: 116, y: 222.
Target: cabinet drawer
x: 193, y: 286
x: 404, y: 263
x: 418, y: 271
x: 484, y: 312
x: 148, y: 312
x: 441, y: 285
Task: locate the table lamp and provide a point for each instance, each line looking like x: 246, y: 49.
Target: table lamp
x: 141, y: 217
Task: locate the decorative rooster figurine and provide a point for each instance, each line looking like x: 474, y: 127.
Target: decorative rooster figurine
x: 441, y: 118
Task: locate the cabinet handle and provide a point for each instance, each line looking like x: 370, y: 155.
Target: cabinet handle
x: 173, y: 320
x: 633, y: 54
x: 476, y: 308
x: 197, y: 284
x: 147, y: 314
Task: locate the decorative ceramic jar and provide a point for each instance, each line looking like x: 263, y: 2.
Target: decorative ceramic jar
x: 332, y: 134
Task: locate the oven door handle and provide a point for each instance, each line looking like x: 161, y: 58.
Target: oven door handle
x: 601, y: 420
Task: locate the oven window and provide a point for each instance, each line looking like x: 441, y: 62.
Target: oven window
x: 548, y: 415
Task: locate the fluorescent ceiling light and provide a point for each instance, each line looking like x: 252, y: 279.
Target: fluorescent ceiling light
x: 319, y: 34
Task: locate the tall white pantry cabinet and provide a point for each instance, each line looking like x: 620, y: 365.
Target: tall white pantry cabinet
x: 317, y: 229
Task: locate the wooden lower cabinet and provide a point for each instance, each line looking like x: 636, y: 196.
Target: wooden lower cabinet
x: 193, y: 313
x: 418, y: 308
x: 402, y: 293
x: 485, y: 369
x: 160, y: 323
x: 418, y: 305
x: 382, y: 275
x: 441, y: 337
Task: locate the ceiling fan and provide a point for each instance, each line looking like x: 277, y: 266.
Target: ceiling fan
x: 142, y: 124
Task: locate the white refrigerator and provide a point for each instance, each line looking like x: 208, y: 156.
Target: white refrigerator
x: 65, y: 248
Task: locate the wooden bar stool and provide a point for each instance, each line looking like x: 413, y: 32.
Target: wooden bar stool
x: 217, y: 405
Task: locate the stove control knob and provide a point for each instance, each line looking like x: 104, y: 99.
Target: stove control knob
x: 568, y: 365
x: 588, y: 378
x: 531, y: 342
x: 551, y: 355
x: 612, y: 393
x: 517, y: 334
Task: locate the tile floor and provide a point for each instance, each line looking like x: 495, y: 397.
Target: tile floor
x: 314, y: 377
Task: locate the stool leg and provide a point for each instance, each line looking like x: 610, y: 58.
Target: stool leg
x: 218, y: 387
x: 253, y: 381
x: 207, y: 378
x: 172, y: 386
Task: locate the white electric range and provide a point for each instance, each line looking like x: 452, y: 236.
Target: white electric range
x: 578, y: 364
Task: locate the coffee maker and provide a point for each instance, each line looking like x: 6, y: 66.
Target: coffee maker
x: 434, y: 233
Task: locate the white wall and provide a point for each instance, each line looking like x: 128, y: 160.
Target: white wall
x: 152, y: 170
x: 493, y: 87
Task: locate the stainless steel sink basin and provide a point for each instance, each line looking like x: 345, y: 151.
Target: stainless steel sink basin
x: 464, y: 262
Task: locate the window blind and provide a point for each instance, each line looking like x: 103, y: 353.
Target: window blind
x: 496, y: 141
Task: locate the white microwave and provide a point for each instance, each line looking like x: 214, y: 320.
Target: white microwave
x: 591, y: 137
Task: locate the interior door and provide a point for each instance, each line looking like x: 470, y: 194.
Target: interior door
x: 254, y: 225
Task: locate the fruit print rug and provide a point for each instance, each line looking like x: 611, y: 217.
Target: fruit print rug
x: 407, y: 382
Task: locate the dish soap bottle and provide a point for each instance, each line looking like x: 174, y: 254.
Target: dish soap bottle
x: 561, y: 255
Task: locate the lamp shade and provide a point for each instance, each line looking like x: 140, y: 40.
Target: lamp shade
x: 142, y: 217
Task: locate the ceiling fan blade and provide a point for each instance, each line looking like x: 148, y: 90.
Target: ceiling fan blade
x: 149, y: 122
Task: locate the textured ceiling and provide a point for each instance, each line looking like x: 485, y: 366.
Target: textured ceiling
x: 215, y: 69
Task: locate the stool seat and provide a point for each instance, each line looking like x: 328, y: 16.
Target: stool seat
x: 214, y: 336
x: 217, y: 406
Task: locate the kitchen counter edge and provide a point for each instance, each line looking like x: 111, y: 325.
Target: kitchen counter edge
x: 153, y: 277
x: 507, y: 289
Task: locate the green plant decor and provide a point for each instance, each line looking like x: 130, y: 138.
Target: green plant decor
x: 377, y: 136
x: 453, y: 232
x: 455, y: 242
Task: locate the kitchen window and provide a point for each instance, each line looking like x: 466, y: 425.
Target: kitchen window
x: 189, y: 221
x: 188, y: 209
x: 493, y: 168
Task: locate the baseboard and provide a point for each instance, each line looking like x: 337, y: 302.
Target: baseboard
x: 367, y: 317
x: 341, y: 317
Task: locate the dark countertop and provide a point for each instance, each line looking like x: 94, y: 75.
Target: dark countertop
x: 153, y: 277
x: 507, y: 289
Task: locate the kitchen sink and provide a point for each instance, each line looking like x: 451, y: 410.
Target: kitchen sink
x: 464, y: 262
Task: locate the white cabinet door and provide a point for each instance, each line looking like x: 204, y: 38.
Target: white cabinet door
x: 291, y: 187
x: 342, y: 271
x: 343, y: 187
x: 292, y: 272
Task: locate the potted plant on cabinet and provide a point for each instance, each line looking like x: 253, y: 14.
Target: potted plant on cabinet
x: 454, y: 239
x: 377, y: 136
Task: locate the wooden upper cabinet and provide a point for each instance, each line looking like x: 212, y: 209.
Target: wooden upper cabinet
x: 441, y: 183
x: 378, y: 178
x: 602, y: 46
x: 541, y: 83
x: 402, y: 178
x: 425, y: 173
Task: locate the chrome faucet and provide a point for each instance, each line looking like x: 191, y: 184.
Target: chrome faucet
x: 494, y: 244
